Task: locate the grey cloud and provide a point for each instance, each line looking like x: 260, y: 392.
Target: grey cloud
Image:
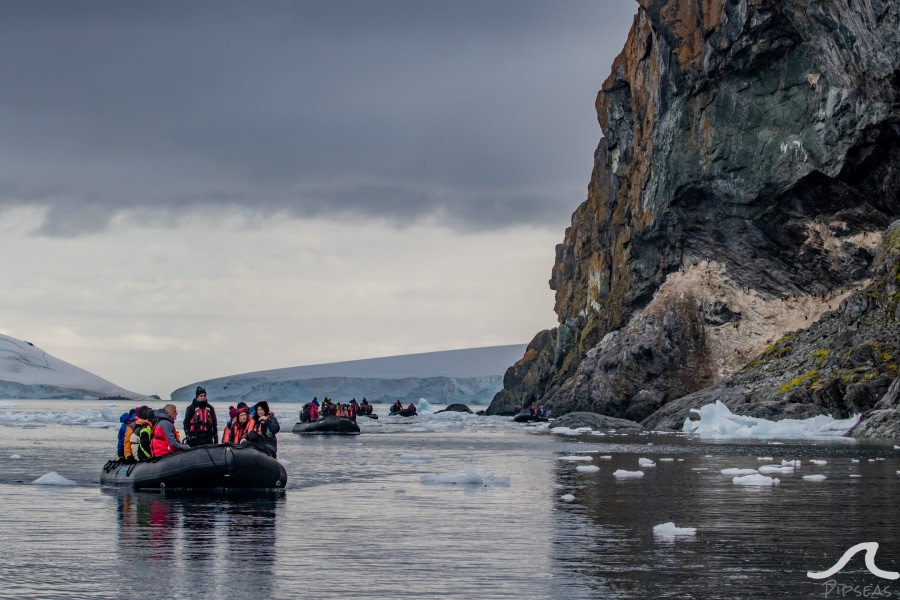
x: 480, y: 113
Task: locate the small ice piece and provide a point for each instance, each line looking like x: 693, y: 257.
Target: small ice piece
x: 577, y: 458
x: 737, y: 472
x: 646, y: 462
x: 814, y: 477
x: 606, y: 457
x: 53, y: 478
x: 469, y: 476
x: 567, y: 497
x: 699, y: 469
x: 680, y: 460
x: 766, y: 458
x: 669, y: 531
x: 818, y: 462
x: 623, y: 474
x: 871, y: 460
x: 708, y: 456
x: 854, y: 460
x: 766, y: 469
x: 649, y: 443
x: 776, y: 444
x: 587, y: 468
x: 790, y: 463
x: 880, y: 458
x: 16, y: 456
x: 666, y: 460
x: 756, y: 479
x: 857, y: 476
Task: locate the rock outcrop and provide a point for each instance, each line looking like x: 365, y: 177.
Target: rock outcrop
x: 747, y: 176
x: 595, y: 421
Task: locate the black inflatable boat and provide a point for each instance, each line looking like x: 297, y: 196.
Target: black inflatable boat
x: 216, y: 466
x: 527, y: 417
x: 328, y: 426
x: 404, y: 412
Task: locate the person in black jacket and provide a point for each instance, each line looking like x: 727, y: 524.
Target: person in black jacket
x: 262, y: 430
x: 200, y: 424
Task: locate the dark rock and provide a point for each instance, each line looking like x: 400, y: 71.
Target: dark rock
x: 883, y: 421
x: 456, y: 408
x: 595, y: 421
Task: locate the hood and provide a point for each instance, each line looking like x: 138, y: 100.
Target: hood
x: 264, y: 404
x: 127, y: 417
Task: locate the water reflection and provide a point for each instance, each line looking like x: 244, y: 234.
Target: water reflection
x: 189, y: 545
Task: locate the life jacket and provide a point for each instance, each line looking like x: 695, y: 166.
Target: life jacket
x: 235, y: 431
x: 159, y: 445
x: 201, y: 422
x: 141, y: 440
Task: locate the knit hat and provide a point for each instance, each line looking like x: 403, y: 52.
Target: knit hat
x: 199, y: 391
x: 242, y: 404
x: 232, y: 411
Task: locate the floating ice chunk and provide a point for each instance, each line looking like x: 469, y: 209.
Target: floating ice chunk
x: 699, y: 469
x: 856, y: 460
x: 423, y: 407
x: 814, y: 477
x: 556, y: 486
x: 707, y: 456
x: 587, y: 468
x: 16, y: 456
x: 570, y: 431
x: 597, y: 433
x: 776, y: 444
x: 669, y: 531
x: 755, y: 480
x: 766, y: 469
x: 469, y: 476
x: 606, y: 457
x: 576, y: 458
x: 622, y: 473
x: 857, y: 476
x: 646, y: 462
x: 666, y: 460
x: 716, y: 420
x: 737, y: 472
x: 764, y: 458
x: 790, y: 463
x: 818, y: 462
x: 680, y: 460
x: 567, y: 498
x: 53, y: 478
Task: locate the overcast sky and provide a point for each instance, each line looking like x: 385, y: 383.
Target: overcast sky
x: 196, y: 189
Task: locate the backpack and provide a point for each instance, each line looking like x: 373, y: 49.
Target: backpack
x: 140, y: 441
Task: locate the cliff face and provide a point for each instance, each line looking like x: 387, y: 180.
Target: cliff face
x: 747, y: 175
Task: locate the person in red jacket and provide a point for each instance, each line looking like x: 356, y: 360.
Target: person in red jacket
x: 165, y: 438
x: 238, y: 427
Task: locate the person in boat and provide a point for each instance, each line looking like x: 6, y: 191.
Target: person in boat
x: 396, y: 407
x: 126, y: 419
x: 237, y: 427
x: 200, y: 425
x: 314, y: 410
x: 128, y: 449
x: 304, y: 413
x: 328, y: 407
x: 165, y: 437
x: 412, y: 408
x: 141, y: 441
x: 262, y: 430
x: 364, y: 407
x: 354, y: 409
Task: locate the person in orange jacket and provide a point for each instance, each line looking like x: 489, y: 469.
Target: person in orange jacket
x: 237, y: 427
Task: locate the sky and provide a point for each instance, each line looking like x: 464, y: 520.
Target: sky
x: 196, y: 189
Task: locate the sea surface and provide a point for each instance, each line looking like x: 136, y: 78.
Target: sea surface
x: 357, y: 520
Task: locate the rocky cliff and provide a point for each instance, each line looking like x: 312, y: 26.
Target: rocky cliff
x: 747, y: 176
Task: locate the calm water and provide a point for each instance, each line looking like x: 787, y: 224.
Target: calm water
x: 357, y: 522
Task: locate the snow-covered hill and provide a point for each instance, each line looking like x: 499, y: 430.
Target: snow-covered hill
x: 469, y: 376
x: 28, y: 372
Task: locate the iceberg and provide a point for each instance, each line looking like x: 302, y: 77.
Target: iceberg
x: 53, y: 478
x: 717, y: 421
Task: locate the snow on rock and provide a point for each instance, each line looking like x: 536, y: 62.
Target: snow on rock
x: 587, y: 468
x: 668, y: 531
x: 814, y: 477
x: 469, y: 476
x: 53, y: 478
x: 717, y: 421
x: 756, y: 479
x: 646, y: 462
x: 738, y: 472
x: 576, y: 458
x: 623, y: 474
x: 567, y: 497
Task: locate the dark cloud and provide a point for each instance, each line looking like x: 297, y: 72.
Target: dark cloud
x: 478, y: 113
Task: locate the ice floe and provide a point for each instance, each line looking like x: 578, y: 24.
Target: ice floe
x: 570, y: 431
x: 814, y: 477
x: 756, y: 479
x: 818, y: 462
x: 622, y: 473
x: 469, y: 476
x: 53, y: 478
x: 667, y: 460
x: 737, y: 472
x: 576, y: 458
x: 668, y: 531
x: 646, y: 462
x: 768, y: 458
x: 587, y: 468
x: 567, y: 497
x: 716, y: 420
x: 606, y: 457
x: 699, y: 469
x: 790, y: 463
x: 766, y: 469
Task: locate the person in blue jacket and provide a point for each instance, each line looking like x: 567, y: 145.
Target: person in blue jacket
x: 126, y: 419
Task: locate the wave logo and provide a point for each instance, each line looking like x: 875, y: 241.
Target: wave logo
x: 870, y: 549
